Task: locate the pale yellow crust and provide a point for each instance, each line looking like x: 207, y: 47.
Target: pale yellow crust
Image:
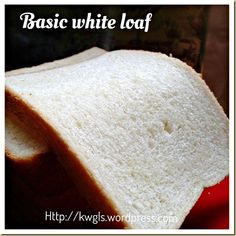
x: 77, y: 58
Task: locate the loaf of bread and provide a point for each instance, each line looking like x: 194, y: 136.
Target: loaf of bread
x: 140, y: 132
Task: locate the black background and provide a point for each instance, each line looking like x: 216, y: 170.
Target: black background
x: 182, y: 35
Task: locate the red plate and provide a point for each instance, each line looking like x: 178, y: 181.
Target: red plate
x: 211, y: 211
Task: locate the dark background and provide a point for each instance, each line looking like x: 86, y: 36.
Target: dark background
x: 179, y: 30
x: 198, y: 35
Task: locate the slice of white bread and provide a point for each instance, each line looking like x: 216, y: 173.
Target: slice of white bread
x: 140, y: 132
x: 21, y: 144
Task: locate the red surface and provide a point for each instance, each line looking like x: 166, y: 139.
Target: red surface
x: 211, y: 211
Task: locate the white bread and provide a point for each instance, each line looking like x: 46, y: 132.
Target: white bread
x: 21, y: 144
x: 140, y: 131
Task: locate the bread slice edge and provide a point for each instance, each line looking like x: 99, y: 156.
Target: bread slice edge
x: 84, y: 180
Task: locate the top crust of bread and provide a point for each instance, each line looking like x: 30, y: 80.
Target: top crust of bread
x: 74, y: 59
x: 142, y: 130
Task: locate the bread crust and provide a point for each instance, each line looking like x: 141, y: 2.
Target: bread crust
x: 84, y: 180
x: 77, y: 58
